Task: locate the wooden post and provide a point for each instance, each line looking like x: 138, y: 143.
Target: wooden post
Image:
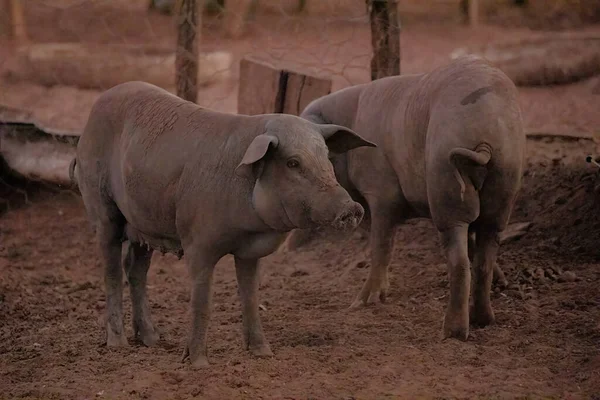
x: 12, y: 21
x: 385, y: 38
x: 473, y: 13
x: 265, y: 89
x: 236, y: 15
x: 186, y: 57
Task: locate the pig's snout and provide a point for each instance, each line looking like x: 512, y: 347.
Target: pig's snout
x: 349, y: 217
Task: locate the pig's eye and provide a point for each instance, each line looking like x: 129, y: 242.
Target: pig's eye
x: 293, y: 163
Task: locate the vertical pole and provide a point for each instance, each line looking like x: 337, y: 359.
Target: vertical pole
x: 473, y: 13
x: 385, y: 38
x: 186, y: 58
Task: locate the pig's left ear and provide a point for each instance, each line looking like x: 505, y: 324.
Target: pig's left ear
x: 340, y: 139
x: 255, y: 152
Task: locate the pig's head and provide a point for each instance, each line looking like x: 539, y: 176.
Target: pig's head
x: 295, y: 184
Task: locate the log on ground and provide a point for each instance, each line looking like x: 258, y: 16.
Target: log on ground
x: 93, y: 66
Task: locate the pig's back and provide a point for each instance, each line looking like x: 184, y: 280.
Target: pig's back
x: 475, y: 102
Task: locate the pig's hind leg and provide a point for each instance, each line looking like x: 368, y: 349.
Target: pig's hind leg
x: 109, y: 231
x: 136, y: 265
x: 499, y: 277
x: 484, y: 260
x: 454, y: 243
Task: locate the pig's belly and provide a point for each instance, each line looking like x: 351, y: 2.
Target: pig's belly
x: 414, y: 190
x: 150, y: 221
x: 164, y: 244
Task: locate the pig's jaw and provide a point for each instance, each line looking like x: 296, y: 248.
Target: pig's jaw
x: 270, y: 210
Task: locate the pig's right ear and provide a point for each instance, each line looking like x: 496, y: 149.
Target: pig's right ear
x: 340, y: 139
x: 256, y: 151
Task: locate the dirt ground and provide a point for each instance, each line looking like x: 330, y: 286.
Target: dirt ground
x: 546, y: 343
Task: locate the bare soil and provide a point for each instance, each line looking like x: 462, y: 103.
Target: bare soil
x: 546, y: 343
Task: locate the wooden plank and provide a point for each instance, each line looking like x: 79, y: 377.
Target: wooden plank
x: 95, y: 66
x: 301, y: 90
x: 259, y: 91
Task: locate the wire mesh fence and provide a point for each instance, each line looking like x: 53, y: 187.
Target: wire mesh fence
x: 68, y: 51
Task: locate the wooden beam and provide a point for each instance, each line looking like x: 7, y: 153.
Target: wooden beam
x: 266, y: 89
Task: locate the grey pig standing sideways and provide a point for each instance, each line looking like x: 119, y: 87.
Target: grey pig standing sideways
x: 450, y: 147
x: 166, y: 174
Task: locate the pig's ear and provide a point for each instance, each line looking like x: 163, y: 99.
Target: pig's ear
x: 340, y: 139
x: 255, y: 152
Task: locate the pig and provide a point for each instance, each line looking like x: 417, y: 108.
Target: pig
x: 161, y: 173
x: 450, y: 147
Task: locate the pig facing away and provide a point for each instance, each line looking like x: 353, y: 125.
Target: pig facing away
x: 450, y: 147
x: 166, y: 174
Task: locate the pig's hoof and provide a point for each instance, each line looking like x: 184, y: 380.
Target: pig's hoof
x: 370, y: 295
x: 482, y: 316
x: 262, y: 351
x: 149, y: 338
x: 499, y: 278
x: 200, y: 362
x: 115, y: 339
x: 456, y: 327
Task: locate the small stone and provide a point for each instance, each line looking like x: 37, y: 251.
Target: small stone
x: 361, y: 264
x: 567, y: 276
x: 539, y: 273
x: 550, y: 274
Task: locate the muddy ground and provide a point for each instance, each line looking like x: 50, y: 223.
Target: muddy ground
x: 546, y: 343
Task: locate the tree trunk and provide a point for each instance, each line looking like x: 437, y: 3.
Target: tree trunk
x: 186, y: 61
x: 385, y: 38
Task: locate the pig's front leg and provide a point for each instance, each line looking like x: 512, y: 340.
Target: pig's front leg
x: 377, y: 284
x: 201, y: 267
x: 454, y: 242
x: 248, y: 281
